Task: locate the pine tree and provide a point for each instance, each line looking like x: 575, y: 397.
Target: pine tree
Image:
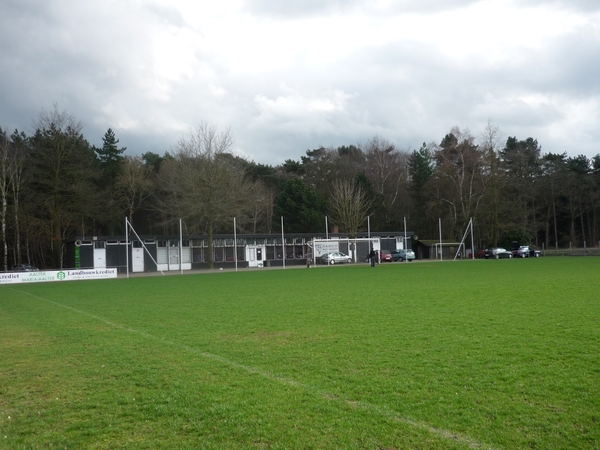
x: 110, y: 158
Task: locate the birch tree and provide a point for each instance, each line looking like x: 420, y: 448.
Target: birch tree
x: 459, y: 183
x: 5, y: 169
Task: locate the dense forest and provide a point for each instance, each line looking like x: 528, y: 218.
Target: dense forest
x: 54, y: 186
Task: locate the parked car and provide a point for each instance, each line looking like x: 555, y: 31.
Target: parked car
x: 525, y: 251
x: 386, y: 255
x: 335, y: 258
x: 480, y: 253
x: 403, y: 255
x: 497, y: 253
x: 24, y: 268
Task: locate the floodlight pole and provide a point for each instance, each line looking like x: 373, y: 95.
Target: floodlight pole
x: 326, y: 228
x: 235, y: 244
x: 283, y: 242
x: 369, y: 232
x: 441, y: 245
x: 472, y: 242
x: 180, y: 248
x: 405, y: 241
x: 127, y: 245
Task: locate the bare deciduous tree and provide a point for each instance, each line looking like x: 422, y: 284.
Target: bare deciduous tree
x: 205, y: 184
x: 348, y: 206
x: 134, y: 184
x: 259, y: 213
x: 458, y: 179
x: 387, y: 170
x: 495, y: 181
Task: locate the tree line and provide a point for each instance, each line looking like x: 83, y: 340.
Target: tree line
x: 55, y: 186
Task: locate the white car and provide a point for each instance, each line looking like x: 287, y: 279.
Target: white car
x: 335, y: 258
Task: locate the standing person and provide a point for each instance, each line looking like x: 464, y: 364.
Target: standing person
x: 372, y: 257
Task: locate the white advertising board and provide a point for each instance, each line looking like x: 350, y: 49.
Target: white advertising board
x: 57, y: 275
x: 322, y: 247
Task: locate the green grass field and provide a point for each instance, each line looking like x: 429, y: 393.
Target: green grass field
x: 473, y: 354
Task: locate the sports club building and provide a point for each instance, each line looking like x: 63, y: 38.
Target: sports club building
x: 165, y: 253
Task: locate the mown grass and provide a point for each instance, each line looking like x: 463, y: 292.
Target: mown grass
x: 483, y: 354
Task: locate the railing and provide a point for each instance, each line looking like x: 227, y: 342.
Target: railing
x: 572, y: 251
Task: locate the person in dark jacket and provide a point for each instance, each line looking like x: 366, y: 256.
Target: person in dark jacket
x: 372, y: 257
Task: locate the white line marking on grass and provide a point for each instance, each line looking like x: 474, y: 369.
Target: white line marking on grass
x: 383, y: 411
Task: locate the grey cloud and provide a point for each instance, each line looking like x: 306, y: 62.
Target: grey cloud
x: 412, y: 93
x: 565, y: 66
x: 576, y: 5
x: 297, y: 8
x: 429, y: 6
x: 573, y: 66
x: 307, y: 8
x: 165, y: 14
x: 405, y: 91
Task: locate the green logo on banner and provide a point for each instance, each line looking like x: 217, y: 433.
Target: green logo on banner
x: 61, y: 275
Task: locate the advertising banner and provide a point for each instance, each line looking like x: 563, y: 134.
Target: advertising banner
x: 56, y: 275
x: 322, y: 247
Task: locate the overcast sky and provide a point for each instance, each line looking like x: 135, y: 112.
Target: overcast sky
x: 287, y: 76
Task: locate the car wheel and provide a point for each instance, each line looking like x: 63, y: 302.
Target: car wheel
x: 332, y: 262
x: 497, y: 256
x: 349, y: 260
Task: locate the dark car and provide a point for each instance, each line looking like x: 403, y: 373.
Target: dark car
x: 403, y: 255
x: 526, y: 251
x: 24, y: 268
x: 497, y: 253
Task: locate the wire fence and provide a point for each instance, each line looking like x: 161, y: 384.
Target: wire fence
x: 572, y: 251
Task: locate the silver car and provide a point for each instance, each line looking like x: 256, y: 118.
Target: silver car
x: 497, y: 253
x: 335, y: 258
